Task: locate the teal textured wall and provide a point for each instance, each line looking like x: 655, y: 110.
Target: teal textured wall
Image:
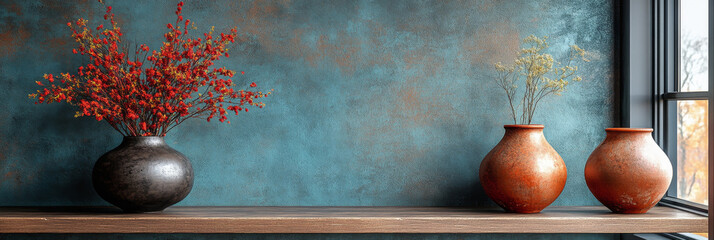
x: 375, y: 102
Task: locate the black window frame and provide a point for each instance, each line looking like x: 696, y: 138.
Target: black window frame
x: 669, y: 82
x: 647, y: 84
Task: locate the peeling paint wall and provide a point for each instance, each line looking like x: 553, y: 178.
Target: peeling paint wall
x: 375, y: 102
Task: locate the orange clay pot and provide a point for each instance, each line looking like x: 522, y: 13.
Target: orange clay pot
x: 523, y: 173
x: 628, y: 172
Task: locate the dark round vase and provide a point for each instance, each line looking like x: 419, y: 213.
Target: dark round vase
x: 143, y: 174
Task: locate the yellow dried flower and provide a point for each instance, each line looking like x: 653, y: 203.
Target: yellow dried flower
x: 534, y: 65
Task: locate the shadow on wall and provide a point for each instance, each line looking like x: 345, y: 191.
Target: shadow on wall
x: 47, y: 157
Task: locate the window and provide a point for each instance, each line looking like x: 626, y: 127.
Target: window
x: 665, y: 86
x: 683, y: 131
x: 691, y: 115
x: 684, y: 115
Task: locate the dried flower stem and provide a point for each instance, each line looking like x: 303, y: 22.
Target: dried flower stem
x: 543, y: 76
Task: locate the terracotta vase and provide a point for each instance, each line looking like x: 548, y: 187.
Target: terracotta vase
x: 628, y: 172
x: 523, y: 173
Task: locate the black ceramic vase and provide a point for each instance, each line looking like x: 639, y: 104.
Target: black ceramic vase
x: 143, y: 174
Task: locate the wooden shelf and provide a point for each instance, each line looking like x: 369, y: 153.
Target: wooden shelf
x: 580, y: 219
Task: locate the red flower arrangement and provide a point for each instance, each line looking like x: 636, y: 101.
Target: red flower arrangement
x: 150, y: 92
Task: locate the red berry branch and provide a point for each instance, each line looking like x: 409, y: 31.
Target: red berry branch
x: 142, y: 92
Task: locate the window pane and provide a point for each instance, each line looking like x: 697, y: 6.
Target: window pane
x: 692, y: 140
x: 694, y: 40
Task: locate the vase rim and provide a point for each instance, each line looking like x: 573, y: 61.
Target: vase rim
x: 144, y: 137
x: 647, y: 130
x: 527, y: 126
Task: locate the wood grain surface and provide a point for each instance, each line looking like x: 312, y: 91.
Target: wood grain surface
x: 577, y: 219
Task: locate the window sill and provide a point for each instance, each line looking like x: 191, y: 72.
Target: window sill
x: 573, y: 219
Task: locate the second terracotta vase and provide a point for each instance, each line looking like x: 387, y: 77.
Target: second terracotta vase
x: 628, y: 172
x: 523, y: 173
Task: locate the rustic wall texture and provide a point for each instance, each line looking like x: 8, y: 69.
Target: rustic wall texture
x: 375, y: 102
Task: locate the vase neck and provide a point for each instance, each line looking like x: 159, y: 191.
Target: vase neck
x: 524, y: 129
x: 629, y: 132
x: 533, y: 132
x: 143, y: 141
